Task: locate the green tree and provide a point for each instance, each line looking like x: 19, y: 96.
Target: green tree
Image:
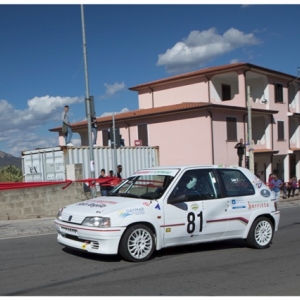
x: 11, y: 173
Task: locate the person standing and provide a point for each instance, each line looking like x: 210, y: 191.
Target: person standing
x: 103, y: 187
x: 94, y: 129
x: 275, y: 186
x: 69, y: 133
x: 119, y: 170
x: 295, y: 185
x: 284, y: 189
x: 240, y: 146
x: 292, y: 186
x: 110, y: 187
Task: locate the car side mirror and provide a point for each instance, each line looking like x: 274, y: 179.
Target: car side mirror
x: 177, y: 199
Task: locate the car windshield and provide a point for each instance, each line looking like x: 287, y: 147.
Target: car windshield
x: 150, y: 185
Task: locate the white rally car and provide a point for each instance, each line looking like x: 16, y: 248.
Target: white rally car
x: 171, y: 206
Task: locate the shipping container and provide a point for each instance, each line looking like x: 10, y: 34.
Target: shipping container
x: 49, y: 164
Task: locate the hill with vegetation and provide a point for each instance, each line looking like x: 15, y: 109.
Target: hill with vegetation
x: 9, y: 160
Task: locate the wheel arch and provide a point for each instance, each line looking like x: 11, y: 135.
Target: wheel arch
x: 266, y: 215
x: 154, y: 230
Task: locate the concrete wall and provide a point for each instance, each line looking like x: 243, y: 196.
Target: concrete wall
x: 38, y: 202
x: 44, y: 201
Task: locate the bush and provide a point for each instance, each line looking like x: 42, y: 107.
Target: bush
x: 11, y: 173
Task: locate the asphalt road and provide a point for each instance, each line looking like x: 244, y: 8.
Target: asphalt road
x: 39, y: 266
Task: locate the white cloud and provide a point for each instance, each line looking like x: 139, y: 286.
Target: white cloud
x: 106, y: 114
x: 18, y: 126
x: 202, y: 46
x: 40, y: 110
x: 234, y: 61
x: 112, y: 89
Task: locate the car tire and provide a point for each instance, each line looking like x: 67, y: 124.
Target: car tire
x: 261, y: 233
x: 137, y: 243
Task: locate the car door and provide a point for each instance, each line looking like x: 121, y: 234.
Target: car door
x: 193, y: 211
x: 239, y: 193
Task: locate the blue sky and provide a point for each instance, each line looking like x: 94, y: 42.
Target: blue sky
x: 42, y: 66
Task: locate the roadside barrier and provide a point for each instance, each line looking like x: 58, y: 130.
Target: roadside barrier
x: 91, y: 182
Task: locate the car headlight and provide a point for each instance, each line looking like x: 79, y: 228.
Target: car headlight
x: 59, y: 214
x: 96, y: 222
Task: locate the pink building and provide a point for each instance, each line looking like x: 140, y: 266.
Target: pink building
x: 198, y: 117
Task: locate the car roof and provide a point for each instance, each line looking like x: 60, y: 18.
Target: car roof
x: 193, y: 166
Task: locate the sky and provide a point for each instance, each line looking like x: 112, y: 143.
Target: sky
x: 42, y: 62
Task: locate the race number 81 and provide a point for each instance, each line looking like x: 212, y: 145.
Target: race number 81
x: 191, y: 219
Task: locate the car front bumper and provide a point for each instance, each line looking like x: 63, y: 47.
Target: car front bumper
x: 90, y: 239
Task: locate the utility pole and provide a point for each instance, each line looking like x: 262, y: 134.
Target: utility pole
x: 113, y: 142
x: 88, y: 107
x: 251, y: 158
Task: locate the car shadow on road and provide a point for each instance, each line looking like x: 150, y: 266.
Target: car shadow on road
x: 170, y: 251
x: 92, y: 256
x: 202, y: 247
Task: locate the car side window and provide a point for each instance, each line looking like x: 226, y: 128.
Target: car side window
x: 200, y: 184
x: 236, y: 183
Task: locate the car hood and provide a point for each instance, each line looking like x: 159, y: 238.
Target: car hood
x: 100, y: 207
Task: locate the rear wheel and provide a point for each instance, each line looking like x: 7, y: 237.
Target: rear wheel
x: 137, y: 243
x: 261, y: 233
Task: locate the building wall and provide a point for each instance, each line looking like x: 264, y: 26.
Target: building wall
x: 191, y: 90
x: 183, y: 140
x: 224, y: 151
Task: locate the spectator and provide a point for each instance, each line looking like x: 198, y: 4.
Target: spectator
x: 295, y: 184
x: 240, y: 146
x: 110, y: 187
x: 271, y: 176
x: 292, y: 186
x: 122, y: 142
x: 103, y: 187
x: 119, y: 170
x: 94, y: 129
x: 69, y: 133
x: 275, y: 186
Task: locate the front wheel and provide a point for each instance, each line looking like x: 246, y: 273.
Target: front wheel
x: 261, y: 233
x: 137, y: 243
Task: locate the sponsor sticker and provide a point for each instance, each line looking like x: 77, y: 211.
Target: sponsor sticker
x: 91, y: 205
x: 257, y: 182
x: 96, y: 203
x: 194, y: 206
x: 131, y: 211
x: 265, y: 193
x: 257, y: 204
x: 157, y: 206
x: 238, y: 203
x: 157, y: 172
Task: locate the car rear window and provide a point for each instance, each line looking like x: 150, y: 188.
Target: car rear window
x: 236, y: 183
